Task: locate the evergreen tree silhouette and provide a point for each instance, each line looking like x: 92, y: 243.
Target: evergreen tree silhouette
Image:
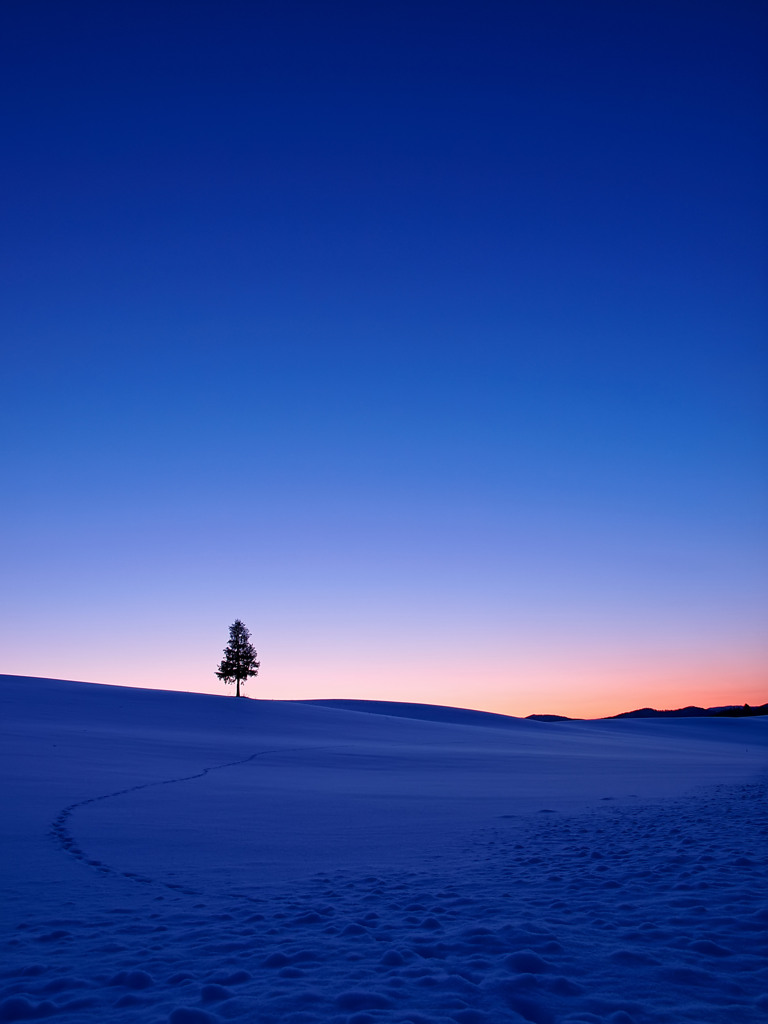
x: 239, y: 661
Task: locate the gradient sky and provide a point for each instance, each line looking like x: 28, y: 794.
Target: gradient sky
x: 426, y: 338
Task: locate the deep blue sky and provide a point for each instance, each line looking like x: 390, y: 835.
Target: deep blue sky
x: 427, y: 338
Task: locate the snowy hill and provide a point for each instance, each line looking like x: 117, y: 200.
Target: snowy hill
x: 190, y: 858
x: 423, y: 712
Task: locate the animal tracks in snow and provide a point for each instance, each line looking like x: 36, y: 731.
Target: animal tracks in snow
x: 632, y: 915
x: 62, y: 833
x: 61, y: 829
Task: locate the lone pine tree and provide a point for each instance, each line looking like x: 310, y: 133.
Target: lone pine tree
x: 239, y: 661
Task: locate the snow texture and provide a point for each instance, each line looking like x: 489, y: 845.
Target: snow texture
x: 191, y: 859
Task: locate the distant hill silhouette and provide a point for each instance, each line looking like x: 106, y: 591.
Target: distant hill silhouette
x: 744, y: 712
x: 465, y: 716
x: 695, y: 712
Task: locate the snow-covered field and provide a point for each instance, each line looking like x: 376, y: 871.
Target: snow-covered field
x: 184, y: 858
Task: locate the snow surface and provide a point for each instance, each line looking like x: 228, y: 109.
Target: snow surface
x: 184, y: 858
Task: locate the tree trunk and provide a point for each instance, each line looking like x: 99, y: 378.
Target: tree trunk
x: 238, y: 687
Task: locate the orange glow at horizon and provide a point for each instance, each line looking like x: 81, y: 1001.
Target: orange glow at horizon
x: 592, y: 688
